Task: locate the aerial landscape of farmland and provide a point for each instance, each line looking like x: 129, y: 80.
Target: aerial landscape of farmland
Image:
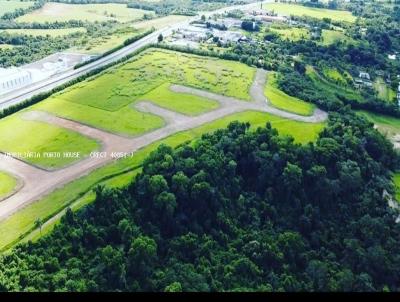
x: 199, y: 146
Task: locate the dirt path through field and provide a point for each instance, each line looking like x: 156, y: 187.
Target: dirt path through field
x: 38, y: 183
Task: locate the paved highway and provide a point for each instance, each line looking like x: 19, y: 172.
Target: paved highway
x: 47, y: 85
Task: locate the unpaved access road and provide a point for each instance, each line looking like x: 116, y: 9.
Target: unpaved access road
x: 39, y: 182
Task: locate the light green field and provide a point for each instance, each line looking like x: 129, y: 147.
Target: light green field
x: 158, y: 23
x: 292, y: 34
x: 22, y: 136
x: 389, y: 126
x: 57, y: 32
x: 334, y: 75
x: 329, y: 37
x: 7, y: 6
x: 6, y: 46
x: 299, y: 10
x: 384, y: 92
x: 7, y: 184
x: 183, y: 103
x: 52, y: 12
x: 281, y: 100
x: 105, y: 101
x: 396, y: 181
x: 99, y: 45
x: 119, y: 173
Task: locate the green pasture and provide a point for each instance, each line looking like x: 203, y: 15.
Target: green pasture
x: 9, y: 6
x: 281, y: 100
x: 24, y: 136
x: 7, y: 184
x: 55, y: 32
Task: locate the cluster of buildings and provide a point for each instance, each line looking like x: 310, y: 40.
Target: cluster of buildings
x: 15, y: 78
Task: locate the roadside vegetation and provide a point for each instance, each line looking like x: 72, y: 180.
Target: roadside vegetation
x: 8, y: 184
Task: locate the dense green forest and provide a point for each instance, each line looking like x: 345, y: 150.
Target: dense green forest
x: 237, y: 210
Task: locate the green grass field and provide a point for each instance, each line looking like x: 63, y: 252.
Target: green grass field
x: 385, y: 92
x: 119, y: 173
x: 396, y: 181
x: 300, y: 10
x: 6, y: 46
x: 389, y: 126
x: 336, y: 76
x: 22, y: 136
x: 158, y: 23
x: 7, y: 184
x: 7, y: 6
x: 292, y: 34
x: 281, y: 100
x: 183, y: 103
x: 329, y: 37
x: 101, y: 103
x: 60, y: 12
x: 56, y: 32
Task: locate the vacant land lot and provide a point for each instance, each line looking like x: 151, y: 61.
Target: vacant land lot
x: 23, y: 136
x: 179, y: 102
x: 7, y: 184
x: 57, y: 32
x: 329, y: 37
x: 23, y: 221
x: 105, y: 101
x: 52, y: 12
x: 299, y: 10
x: 385, y: 92
x: 292, y: 34
x: 281, y: 100
x: 7, y: 6
x: 158, y: 23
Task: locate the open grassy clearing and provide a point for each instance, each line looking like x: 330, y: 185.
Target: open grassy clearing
x: 7, y: 184
x: 292, y: 34
x: 6, y: 46
x: 300, y: 10
x: 385, y: 92
x: 52, y: 12
x: 158, y: 23
x: 56, y: 32
x: 23, y: 136
x: 387, y: 125
x: 396, y: 181
x: 180, y: 102
x: 336, y: 76
x: 105, y: 42
x: 7, y: 6
x: 329, y: 37
x: 120, y: 172
x: 331, y: 88
x: 281, y: 100
x: 101, y: 103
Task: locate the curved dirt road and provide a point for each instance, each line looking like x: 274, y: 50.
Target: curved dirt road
x: 38, y: 182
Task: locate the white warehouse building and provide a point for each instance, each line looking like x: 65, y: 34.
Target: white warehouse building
x: 14, y: 78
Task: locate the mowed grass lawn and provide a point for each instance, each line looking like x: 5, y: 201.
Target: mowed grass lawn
x: 23, y: 136
x: 180, y: 102
x: 106, y: 101
x: 79, y: 191
x: 7, y: 6
x: 7, y: 184
x: 283, y: 101
x: 300, y: 10
x: 52, y: 12
x: 56, y: 32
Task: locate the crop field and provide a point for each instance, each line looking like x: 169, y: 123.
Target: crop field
x: 7, y: 184
x: 52, y: 12
x: 79, y: 192
x: 101, y: 103
x: 7, y: 6
x: 300, y: 10
x: 292, y: 34
x: 329, y: 37
x: 56, y: 32
x: 23, y: 136
x: 158, y: 23
x: 281, y: 100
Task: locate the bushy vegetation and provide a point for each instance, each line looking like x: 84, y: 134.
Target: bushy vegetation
x: 239, y: 210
